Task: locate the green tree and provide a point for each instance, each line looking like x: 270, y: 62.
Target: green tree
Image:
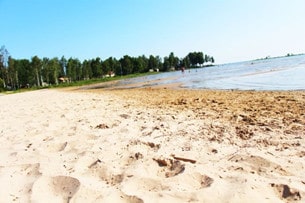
x: 22, y: 72
x: 36, y: 64
x: 140, y: 64
x: 12, y: 74
x: 86, y: 70
x: 111, y: 65
x: 74, y: 70
x: 206, y: 58
x: 116, y: 67
x: 45, y: 71
x: 63, y: 66
x: 166, y: 64
x: 4, y: 56
x: 152, y: 62
x: 96, y: 66
x: 106, y: 67
x: 78, y: 69
x: 53, y: 70
x: 26, y: 75
x: 212, y: 59
x: 186, y: 62
x: 127, y: 65
x: 199, y: 58
x: 192, y: 58
x: 173, y: 60
x: 1, y: 85
x: 196, y: 58
x: 159, y: 62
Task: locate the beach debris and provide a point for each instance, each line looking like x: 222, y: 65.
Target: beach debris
x: 172, y: 167
x: 285, y: 192
x: 153, y: 145
x: 156, y: 128
x: 244, y: 133
x: 196, y: 100
x: 125, y: 116
x: 232, y: 156
x: 301, y: 154
x: 206, y: 181
x: 214, y: 151
x: 94, y: 163
x: 138, y: 155
x: 63, y: 146
x: 247, y: 119
x: 102, y: 126
x: 186, y: 148
x: 180, y: 101
x: 161, y: 162
x: 183, y: 159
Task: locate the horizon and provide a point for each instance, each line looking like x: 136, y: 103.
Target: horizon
x: 229, y: 31
x: 162, y: 57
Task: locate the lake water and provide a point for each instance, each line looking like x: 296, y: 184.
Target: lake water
x: 285, y: 73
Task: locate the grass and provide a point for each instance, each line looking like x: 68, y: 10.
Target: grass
x: 82, y: 82
x: 101, y: 80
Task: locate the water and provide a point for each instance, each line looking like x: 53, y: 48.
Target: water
x: 285, y: 73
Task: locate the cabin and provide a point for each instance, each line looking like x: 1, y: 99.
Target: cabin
x: 110, y: 74
x: 64, y: 80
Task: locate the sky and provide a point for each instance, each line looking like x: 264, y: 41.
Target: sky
x: 228, y: 30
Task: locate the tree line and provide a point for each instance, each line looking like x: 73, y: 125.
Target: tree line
x: 20, y: 73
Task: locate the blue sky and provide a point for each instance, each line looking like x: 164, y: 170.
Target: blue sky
x: 229, y: 30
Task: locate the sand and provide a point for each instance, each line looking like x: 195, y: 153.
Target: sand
x: 152, y: 145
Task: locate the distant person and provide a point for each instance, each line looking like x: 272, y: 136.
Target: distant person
x: 182, y: 69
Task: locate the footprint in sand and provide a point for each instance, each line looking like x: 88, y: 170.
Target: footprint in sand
x: 155, y: 147
x: 20, y: 179
x: 169, y: 167
x: 31, y: 169
x: 56, y: 147
x: 119, y: 196
x: 100, y: 170
x: 189, y: 182
x: 143, y: 184
x: 54, y: 189
x: 259, y: 165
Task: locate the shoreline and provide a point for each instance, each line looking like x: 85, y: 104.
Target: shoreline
x: 153, y: 144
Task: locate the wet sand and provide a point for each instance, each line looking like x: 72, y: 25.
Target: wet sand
x: 152, y: 145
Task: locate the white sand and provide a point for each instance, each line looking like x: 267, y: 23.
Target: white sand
x: 59, y: 146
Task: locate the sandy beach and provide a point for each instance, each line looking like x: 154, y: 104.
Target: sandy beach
x: 152, y: 145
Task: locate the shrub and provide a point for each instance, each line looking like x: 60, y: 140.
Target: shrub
x: 1, y: 85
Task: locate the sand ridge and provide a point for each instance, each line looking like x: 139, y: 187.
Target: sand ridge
x: 152, y: 145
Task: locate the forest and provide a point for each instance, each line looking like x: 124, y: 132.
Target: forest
x: 44, y: 72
